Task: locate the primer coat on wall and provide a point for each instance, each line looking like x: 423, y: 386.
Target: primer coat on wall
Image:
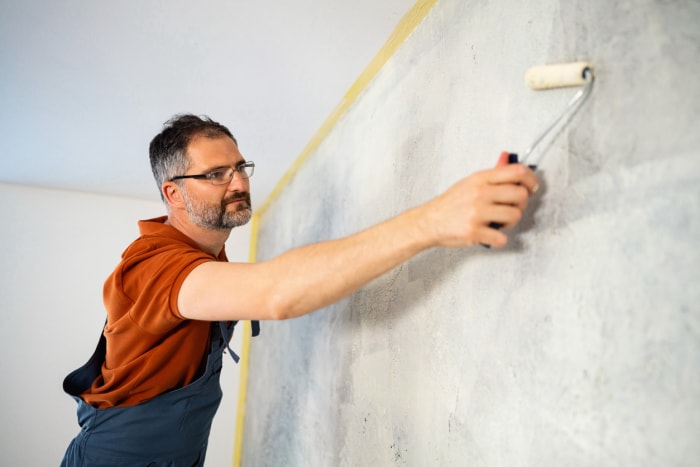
x: 579, y: 343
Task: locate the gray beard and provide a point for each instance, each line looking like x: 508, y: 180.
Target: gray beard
x: 215, y: 217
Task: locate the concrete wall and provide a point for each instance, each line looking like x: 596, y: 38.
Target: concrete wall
x: 57, y: 248
x: 579, y: 344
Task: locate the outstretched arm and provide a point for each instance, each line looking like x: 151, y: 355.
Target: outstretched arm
x: 311, y: 277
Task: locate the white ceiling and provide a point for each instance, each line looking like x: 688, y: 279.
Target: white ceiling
x: 86, y: 84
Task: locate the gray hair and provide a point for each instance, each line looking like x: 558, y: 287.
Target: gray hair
x: 168, y: 150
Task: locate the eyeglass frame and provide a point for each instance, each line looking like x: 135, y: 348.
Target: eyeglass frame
x: 208, y: 176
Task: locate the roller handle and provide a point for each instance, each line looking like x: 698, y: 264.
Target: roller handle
x: 512, y: 159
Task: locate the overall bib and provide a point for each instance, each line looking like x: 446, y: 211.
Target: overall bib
x: 170, y: 430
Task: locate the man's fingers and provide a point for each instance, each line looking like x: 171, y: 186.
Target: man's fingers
x: 503, y: 215
x: 516, y: 174
x: 467, y: 212
x: 514, y: 195
x: 492, y: 237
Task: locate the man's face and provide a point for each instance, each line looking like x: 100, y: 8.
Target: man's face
x: 213, y: 207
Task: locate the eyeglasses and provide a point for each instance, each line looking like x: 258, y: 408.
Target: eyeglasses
x: 223, y: 176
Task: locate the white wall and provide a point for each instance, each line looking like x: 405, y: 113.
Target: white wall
x: 579, y: 344
x: 57, y: 248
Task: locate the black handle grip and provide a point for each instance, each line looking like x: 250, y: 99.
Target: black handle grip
x: 512, y: 159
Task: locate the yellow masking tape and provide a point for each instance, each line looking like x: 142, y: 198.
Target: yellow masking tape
x: 243, y: 363
x: 403, y: 30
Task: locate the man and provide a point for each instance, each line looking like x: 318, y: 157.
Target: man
x: 148, y: 395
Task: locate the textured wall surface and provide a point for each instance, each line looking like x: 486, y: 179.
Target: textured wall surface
x: 579, y: 344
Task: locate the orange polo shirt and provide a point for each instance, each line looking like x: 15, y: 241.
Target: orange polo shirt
x: 151, y: 348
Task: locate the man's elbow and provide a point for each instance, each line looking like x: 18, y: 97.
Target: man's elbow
x: 279, y: 308
x: 279, y: 314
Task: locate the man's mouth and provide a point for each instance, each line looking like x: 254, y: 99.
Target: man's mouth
x: 238, y: 199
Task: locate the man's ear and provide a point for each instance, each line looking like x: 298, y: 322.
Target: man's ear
x: 172, y: 193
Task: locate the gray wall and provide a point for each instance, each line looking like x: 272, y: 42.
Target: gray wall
x: 579, y: 344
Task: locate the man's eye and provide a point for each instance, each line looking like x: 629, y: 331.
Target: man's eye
x: 217, y: 175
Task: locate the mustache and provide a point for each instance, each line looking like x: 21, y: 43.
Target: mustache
x: 238, y: 196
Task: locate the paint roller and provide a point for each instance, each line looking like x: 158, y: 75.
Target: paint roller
x: 551, y: 77
x: 559, y: 76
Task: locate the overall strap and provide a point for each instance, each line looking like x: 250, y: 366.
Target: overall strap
x: 81, y: 379
x: 255, y: 330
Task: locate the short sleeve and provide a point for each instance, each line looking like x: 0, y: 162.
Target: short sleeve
x: 148, y: 281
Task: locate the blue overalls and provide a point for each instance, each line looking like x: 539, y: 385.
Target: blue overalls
x: 170, y: 430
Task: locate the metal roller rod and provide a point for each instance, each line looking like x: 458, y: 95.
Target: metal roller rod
x: 571, y: 108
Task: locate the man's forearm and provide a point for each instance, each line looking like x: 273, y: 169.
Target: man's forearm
x: 326, y: 272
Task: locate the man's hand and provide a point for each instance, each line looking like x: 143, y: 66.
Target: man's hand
x: 461, y: 216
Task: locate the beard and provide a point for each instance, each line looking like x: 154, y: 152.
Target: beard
x: 217, y: 216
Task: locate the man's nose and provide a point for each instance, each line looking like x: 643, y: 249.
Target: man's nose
x: 237, y: 180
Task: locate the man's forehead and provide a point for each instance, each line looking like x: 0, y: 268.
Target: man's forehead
x: 207, y: 151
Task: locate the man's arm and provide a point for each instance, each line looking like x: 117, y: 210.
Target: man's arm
x: 311, y: 277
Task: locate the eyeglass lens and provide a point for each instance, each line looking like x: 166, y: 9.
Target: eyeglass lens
x: 222, y: 177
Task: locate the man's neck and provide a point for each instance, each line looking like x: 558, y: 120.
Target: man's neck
x: 210, y: 241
